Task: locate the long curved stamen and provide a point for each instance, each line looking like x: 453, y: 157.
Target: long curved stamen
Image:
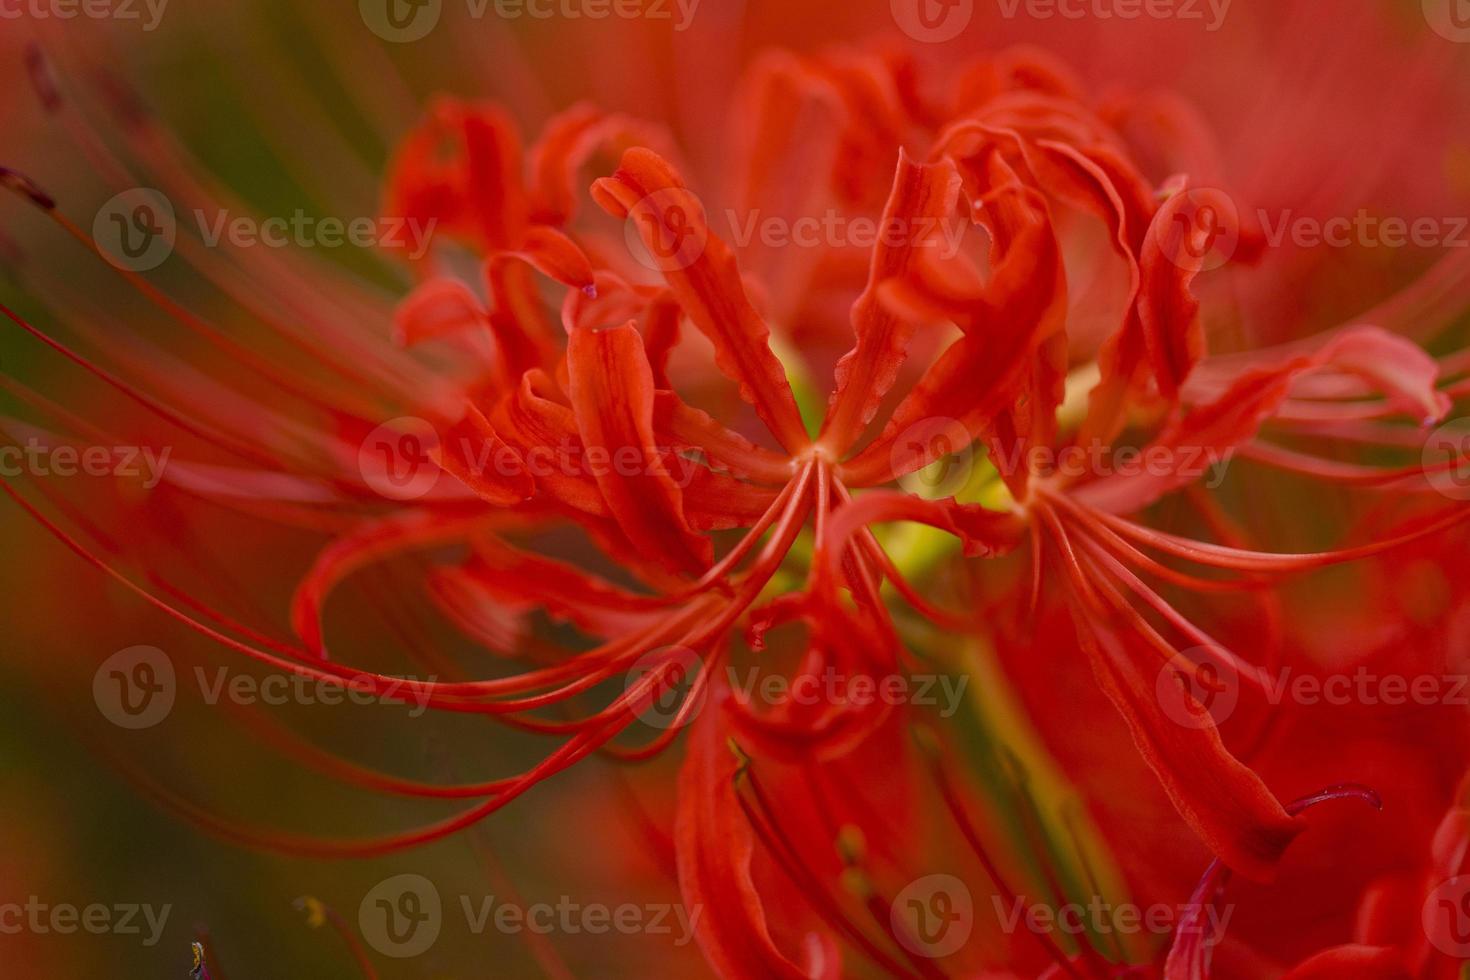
x: 196, y: 325
x: 438, y: 694
x: 879, y: 907
x: 736, y: 555
x: 930, y: 748
x: 242, y: 449
x: 787, y: 857
x: 1194, y: 940
x: 1106, y: 563
x: 1089, y: 523
x: 1349, y: 474
x: 1236, y: 559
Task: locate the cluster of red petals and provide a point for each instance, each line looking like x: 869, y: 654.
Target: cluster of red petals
x: 1015, y: 151
x: 687, y: 556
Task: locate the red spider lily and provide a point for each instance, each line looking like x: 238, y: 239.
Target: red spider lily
x: 698, y: 540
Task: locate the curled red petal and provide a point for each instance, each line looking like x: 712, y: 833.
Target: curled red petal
x: 1204, y: 437
x: 612, y: 395
x: 1168, y: 310
x: 790, y: 125
x: 474, y: 453
x: 437, y: 308
x: 875, y: 119
x: 1101, y: 182
x: 688, y: 427
x: 1021, y: 305
x: 567, y: 142
x: 551, y: 253
x: 1020, y: 68
x: 555, y: 158
x: 922, y: 200
x: 1406, y: 376
x: 706, y: 280
x: 1209, y: 433
x: 1225, y: 802
x: 473, y: 192
x: 545, y: 431
x: 715, y: 846
x: 525, y: 336
x: 661, y: 336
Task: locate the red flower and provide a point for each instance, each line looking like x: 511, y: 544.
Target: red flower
x: 626, y: 508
